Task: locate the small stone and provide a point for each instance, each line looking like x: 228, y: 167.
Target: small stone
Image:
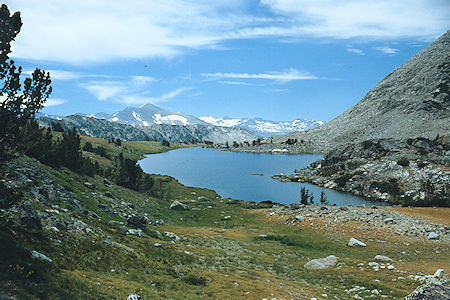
x: 227, y: 217
x: 262, y: 236
x: 354, y: 242
x: 158, y: 245
x: 433, y: 236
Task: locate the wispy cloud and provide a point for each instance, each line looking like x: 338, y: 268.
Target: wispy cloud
x: 290, y: 75
x: 85, y: 31
x: 236, y: 83
x: 355, y: 51
x: 54, y: 102
x: 387, y: 50
x: 131, y: 91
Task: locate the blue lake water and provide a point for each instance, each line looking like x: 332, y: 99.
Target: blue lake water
x: 231, y: 174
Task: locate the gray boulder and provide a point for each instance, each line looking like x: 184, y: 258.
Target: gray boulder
x: 354, y: 242
x: 137, y: 221
x: 40, y: 256
x: 433, y: 236
x: 383, y: 258
x: 178, y: 205
x: 29, y: 217
x: 136, y: 232
x: 322, y: 263
x: 89, y: 185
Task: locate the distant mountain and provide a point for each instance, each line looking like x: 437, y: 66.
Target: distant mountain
x: 101, y: 128
x: 149, y: 114
x: 264, y: 128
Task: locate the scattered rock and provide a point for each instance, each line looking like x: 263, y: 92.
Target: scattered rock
x: 202, y: 198
x: 171, y: 235
x: 40, y: 256
x: 433, y: 236
x: 178, y: 205
x: 107, y: 183
x: 157, y: 222
x: 29, y: 217
x: 227, y: 218
x: 75, y: 203
x: 108, y: 194
x: 299, y: 218
x: 322, y: 263
x: 136, y: 232
x: 388, y: 220
x: 89, y: 185
x: 354, y: 242
x: 158, y: 245
x: 432, y: 291
x: 383, y: 258
x: 137, y: 221
x: 439, y: 273
x: 133, y: 297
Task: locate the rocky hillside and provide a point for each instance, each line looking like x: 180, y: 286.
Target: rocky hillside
x: 102, y: 128
x: 394, y: 144
x: 413, y: 101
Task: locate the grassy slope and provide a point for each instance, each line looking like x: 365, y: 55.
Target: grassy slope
x: 227, y: 253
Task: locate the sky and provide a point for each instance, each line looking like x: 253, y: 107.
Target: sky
x: 274, y: 59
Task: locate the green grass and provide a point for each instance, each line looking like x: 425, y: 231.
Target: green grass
x: 216, y: 257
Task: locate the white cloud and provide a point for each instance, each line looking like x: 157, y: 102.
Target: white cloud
x: 85, y: 31
x: 131, y: 91
x: 355, y: 50
x: 381, y: 19
x: 291, y: 75
x: 54, y: 102
x: 387, y: 50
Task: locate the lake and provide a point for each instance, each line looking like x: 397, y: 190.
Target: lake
x: 232, y: 174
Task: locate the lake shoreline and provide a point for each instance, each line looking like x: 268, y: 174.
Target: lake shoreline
x: 192, y: 167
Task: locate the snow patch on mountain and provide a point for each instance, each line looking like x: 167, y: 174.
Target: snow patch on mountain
x: 264, y: 128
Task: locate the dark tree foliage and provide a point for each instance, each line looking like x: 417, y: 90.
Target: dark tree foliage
x: 19, y: 100
x: 323, y: 198
x: 129, y: 174
x: 88, y: 147
x: 165, y: 143
x: 56, y: 126
x: 305, y: 197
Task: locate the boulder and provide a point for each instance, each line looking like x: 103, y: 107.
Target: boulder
x: 40, y: 256
x: 433, y: 236
x: 322, y: 263
x: 178, y: 205
x: 137, y: 221
x: 354, y: 242
x: 383, y: 258
x: 299, y: 218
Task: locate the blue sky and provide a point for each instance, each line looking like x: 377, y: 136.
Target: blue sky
x: 275, y: 59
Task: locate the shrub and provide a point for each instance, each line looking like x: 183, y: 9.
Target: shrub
x: 305, y: 197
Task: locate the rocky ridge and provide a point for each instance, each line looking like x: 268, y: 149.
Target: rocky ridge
x: 102, y: 128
